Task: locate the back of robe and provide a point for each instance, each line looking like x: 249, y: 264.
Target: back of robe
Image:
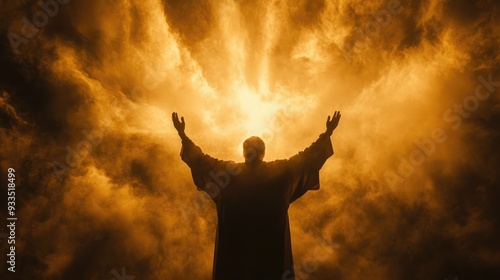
x: 253, y: 224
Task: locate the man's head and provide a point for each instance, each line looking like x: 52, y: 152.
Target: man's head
x: 254, y: 149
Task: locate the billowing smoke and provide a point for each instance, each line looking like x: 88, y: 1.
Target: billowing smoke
x: 86, y: 92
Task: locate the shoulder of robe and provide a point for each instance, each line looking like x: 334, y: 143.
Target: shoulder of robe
x: 279, y: 164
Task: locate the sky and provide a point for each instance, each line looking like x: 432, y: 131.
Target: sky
x: 87, y: 89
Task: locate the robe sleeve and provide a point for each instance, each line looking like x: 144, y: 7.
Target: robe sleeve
x: 205, y: 169
x: 305, y: 166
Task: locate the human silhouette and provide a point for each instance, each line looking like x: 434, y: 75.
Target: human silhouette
x: 252, y: 200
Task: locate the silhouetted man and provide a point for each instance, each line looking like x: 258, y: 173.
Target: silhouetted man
x: 252, y: 199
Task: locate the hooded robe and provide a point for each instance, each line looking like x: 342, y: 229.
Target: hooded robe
x: 252, y: 200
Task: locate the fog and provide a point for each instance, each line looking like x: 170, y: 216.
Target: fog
x: 86, y: 94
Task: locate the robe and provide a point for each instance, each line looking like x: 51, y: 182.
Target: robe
x: 252, y: 200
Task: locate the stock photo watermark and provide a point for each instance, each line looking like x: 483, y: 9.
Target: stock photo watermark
x: 121, y: 275
x: 47, y: 9
x: 310, y: 263
x: 454, y: 115
x: 11, y: 219
x: 363, y: 35
x: 74, y: 157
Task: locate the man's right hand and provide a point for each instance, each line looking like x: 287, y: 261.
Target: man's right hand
x: 332, y: 123
x: 179, y: 125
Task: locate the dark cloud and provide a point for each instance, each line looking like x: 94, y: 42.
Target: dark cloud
x: 306, y: 12
x: 193, y: 20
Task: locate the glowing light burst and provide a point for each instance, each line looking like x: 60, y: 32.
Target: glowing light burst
x: 258, y: 113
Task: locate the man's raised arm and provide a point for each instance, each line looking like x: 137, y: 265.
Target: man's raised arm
x: 190, y: 153
x: 332, y: 123
x: 180, y: 126
x: 321, y: 149
x: 306, y: 164
x: 204, y: 168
